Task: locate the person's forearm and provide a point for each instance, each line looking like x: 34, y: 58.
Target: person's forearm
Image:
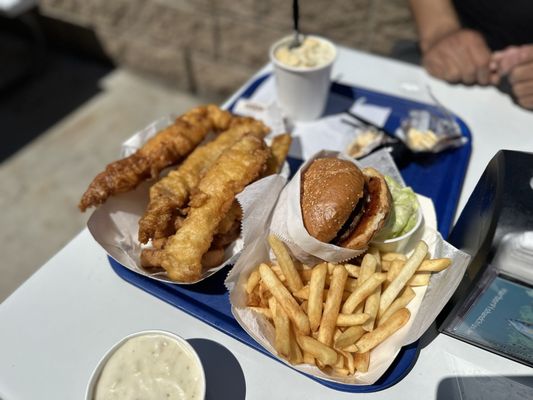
x: 434, y: 20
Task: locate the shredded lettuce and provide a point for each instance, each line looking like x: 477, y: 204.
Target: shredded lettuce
x: 405, y: 210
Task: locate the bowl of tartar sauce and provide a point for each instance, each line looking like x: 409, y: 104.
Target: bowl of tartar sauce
x: 148, y: 365
x: 303, y: 75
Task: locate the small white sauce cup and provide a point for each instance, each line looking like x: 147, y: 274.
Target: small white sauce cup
x: 302, y: 91
x: 404, y: 243
x: 95, y: 376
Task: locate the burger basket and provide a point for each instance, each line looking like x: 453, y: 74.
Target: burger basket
x: 286, y: 223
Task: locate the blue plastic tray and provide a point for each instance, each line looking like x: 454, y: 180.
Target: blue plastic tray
x: 439, y: 177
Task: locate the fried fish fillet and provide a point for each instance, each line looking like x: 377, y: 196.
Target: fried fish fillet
x: 227, y: 232
x: 278, y: 153
x: 172, y: 192
x: 235, y: 168
x: 166, y: 148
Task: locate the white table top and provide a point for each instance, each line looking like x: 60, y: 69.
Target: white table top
x: 57, y: 325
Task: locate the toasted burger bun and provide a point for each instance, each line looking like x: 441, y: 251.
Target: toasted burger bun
x: 342, y: 204
x: 377, y: 210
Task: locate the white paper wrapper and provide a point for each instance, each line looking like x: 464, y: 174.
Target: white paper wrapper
x: 269, y: 114
x: 427, y: 304
x: 114, y: 225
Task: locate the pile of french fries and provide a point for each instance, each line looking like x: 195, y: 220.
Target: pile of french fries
x: 333, y: 315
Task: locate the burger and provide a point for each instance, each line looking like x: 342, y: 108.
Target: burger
x: 342, y: 204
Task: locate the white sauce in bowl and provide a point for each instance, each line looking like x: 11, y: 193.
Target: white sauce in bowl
x: 152, y: 366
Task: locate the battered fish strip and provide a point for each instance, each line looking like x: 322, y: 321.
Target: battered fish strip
x: 227, y: 231
x: 166, y: 148
x: 279, y: 150
x: 172, y: 192
x: 236, y: 167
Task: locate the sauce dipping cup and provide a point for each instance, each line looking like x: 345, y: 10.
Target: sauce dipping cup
x: 302, y: 91
x: 182, y: 343
x: 404, y: 243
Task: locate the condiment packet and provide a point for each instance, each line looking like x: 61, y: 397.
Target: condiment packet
x: 365, y: 141
x: 424, y: 308
x: 114, y: 225
x: 423, y: 131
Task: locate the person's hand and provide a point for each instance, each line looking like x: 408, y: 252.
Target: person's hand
x: 461, y: 56
x: 517, y: 63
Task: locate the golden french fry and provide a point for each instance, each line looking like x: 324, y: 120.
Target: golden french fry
x: 419, y: 279
x: 340, y: 362
x: 294, y: 282
x: 305, y: 275
x: 394, y: 269
x: 295, y: 353
x: 393, y: 256
x: 353, y: 270
x: 282, y: 341
x: 253, y: 299
x: 352, y: 319
x: 351, y: 348
x: 368, y: 267
x: 308, y: 358
x: 361, y: 361
x: 331, y: 267
x: 408, y: 270
x: 279, y: 149
x: 405, y: 298
x: 304, y: 306
x: 316, y: 293
x: 264, y: 294
x: 372, y: 302
x: 363, y: 292
x: 351, y: 285
x: 252, y: 281
x: 285, y: 299
x: 279, y: 272
x: 303, y: 293
x: 383, y: 331
x: 342, y: 371
x: 263, y: 311
x: 333, y: 304
x: 385, y: 265
x: 434, y: 265
x: 348, y: 361
x: 349, y: 337
x: 325, y: 354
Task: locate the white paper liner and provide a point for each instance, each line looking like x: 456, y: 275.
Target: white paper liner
x: 115, y: 224
x: 424, y: 308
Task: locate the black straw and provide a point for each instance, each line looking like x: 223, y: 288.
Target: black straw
x: 295, y: 14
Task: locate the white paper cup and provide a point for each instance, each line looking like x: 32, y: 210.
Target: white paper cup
x: 302, y: 91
